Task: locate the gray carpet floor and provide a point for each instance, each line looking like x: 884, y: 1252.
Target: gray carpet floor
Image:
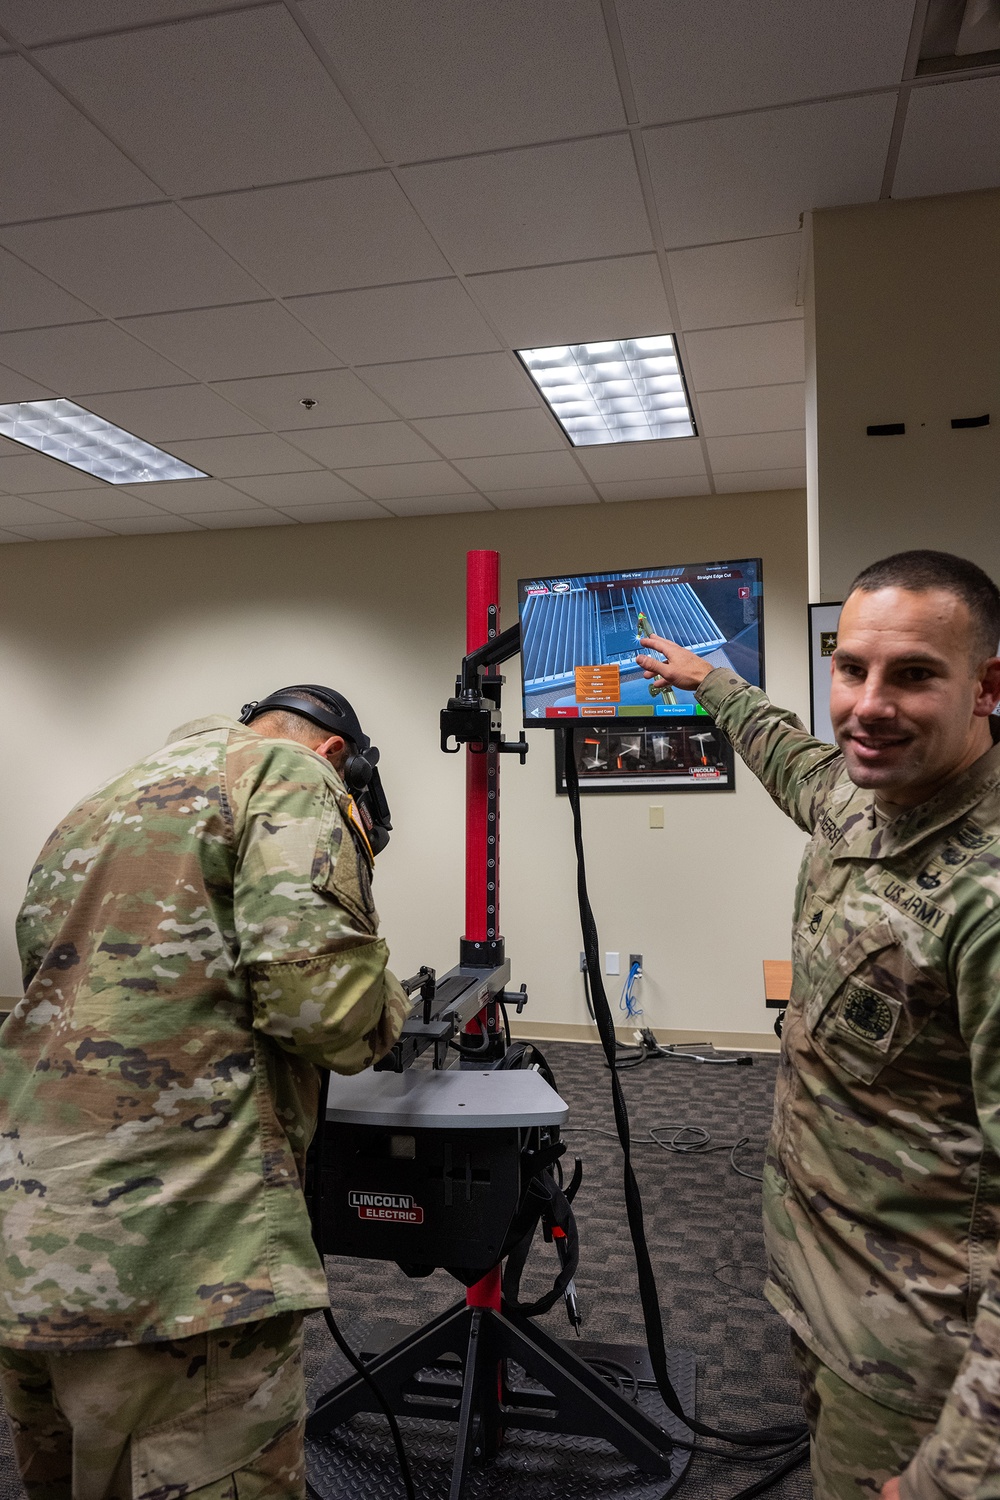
x: 703, y: 1228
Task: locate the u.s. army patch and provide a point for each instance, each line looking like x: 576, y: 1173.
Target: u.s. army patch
x: 914, y: 903
x: 869, y: 1015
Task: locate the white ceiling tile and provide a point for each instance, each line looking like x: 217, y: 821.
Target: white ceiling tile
x: 221, y: 102
x: 654, y: 489
x: 17, y: 387
x: 764, y: 408
x: 227, y: 343
x: 576, y: 303
x: 276, y: 400
x: 418, y: 320
x: 15, y: 511
x: 369, y: 443
x: 173, y: 412
x: 449, y: 387
x: 189, y: 497
x: 149, y: 525
x: 951, y: 141
x: 503, y: 75
x: 34, y: 474
x: 98, y: 505
x: 133, y: 260
x: 356, y: 510
x: 706, y: 57
x: 60, y: 531
x: 530, y: 430
x: 231, y: 520
x: 721, y: 359
x: 286, y: 491
x: 758, y: 450
x: 520, y: 471
x: 54, y: 161
x: 85, y: 357
x: 436, y: 505
x: 522, y: 208
x: 33, y: 301
x: 348, y: 232
x: 755, y: 174
x: 556, y: 494
x: 398, y: 481
x: 667, y: 459
x: 229, y: 457
x: 750, y: 281
x: 51, y: 20
x: 761, y: 479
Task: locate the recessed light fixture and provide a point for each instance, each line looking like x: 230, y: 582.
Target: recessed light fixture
x: 61, y: 429
x: 617, y: 391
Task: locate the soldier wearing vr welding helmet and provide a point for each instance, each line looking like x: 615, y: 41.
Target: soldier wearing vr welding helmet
x: 198, y: 941
x: 882, y: 1179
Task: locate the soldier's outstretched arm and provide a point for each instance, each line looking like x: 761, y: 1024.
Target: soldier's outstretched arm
x: 962, y: 1454
x: 306, y: 928
x: 773, y: 742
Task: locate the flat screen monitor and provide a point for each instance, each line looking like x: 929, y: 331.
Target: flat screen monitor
x: 580, y: 636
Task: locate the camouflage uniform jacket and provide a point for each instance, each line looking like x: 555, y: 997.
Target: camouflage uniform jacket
x: 882, y: 1181
x: 198, y: 937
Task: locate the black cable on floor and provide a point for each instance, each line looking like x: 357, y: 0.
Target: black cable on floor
x: 700, y: 1144
x: 793, y: 1434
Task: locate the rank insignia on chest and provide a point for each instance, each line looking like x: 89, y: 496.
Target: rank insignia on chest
x: 866, y: 1013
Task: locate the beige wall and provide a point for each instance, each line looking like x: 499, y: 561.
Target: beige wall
x: 906, y: 311
x: 105, y: 646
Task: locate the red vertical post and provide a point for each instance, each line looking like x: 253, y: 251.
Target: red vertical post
x: 482, y: 825
x: 482, y: 782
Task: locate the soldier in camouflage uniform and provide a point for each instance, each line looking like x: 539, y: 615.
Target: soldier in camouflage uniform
x: 198, y: 940
x: 882, y: 1180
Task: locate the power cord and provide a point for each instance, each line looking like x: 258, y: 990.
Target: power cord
x: 698, y: 1142
x: 790, y: 1439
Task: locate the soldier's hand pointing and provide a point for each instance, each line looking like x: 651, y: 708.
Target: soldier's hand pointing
x: 681, y: 669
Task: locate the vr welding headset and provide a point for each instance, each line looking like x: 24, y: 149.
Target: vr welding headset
x: 360, y: 773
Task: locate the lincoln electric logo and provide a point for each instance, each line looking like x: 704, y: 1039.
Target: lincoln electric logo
x: 387, y: 1208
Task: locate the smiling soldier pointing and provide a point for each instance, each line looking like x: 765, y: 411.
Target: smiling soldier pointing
x: 882, y: 1181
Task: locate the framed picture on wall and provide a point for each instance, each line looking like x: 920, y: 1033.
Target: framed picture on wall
x: 684, y: 757
x: 823, y: 622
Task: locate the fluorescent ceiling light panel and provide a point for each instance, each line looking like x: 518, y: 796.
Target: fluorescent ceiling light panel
x: 61, y: 429
x: 618, y: 391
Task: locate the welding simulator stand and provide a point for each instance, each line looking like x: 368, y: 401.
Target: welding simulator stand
x: 427, y: 1167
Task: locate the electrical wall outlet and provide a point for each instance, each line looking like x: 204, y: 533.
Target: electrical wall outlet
x: 635, y: 959
x: 612, y: 963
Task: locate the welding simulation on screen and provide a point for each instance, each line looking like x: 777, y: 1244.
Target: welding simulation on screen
x: 580, y: 637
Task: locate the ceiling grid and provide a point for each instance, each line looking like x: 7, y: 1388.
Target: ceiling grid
x: 372, y: 206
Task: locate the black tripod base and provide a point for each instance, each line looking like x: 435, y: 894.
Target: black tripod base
x: 522, y: 1404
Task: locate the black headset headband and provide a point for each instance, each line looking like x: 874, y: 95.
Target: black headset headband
x: 336, y: 715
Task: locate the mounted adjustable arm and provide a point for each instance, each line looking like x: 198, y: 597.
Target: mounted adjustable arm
x: 472, y: 717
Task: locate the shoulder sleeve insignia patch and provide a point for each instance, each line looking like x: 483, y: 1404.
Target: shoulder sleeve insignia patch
x: 867, y: 1013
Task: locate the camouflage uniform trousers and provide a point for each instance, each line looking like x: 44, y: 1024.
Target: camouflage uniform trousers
x: 219, y: 1416
x: 857, y: 1444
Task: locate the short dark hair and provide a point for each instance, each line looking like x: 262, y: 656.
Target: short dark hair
x: 923, y: 569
